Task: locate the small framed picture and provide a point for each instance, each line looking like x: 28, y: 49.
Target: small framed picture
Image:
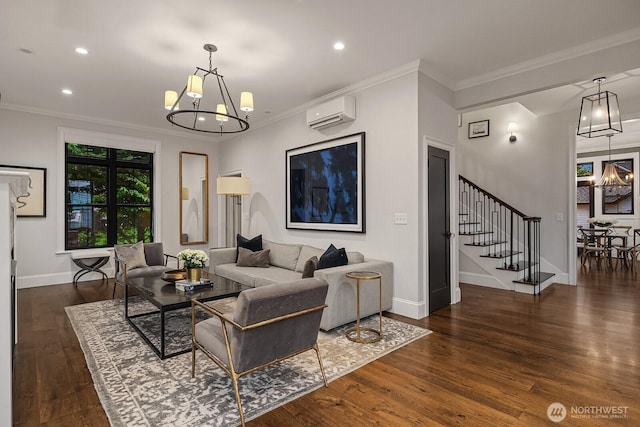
x: 584, y: 169
x: 478, y: 129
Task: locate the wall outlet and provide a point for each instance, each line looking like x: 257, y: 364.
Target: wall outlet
x: 560, y: 216
x: 400, y: 218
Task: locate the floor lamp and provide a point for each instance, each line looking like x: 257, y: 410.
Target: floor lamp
x: 234, y: 187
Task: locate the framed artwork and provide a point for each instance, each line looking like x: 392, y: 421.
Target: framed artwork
x: 325, y: 185
x: 584, y: 169
x: 478, y: 129
x: 34, y: 204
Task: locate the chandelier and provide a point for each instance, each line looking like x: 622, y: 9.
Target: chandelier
x: 213, y: 111
x: 610, y: 179
x: 599, y: 113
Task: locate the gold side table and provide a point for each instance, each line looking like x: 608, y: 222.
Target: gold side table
x: 354, y: 334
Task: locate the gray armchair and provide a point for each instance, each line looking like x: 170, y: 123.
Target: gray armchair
x: 269, y: 324
x: 155, y: 258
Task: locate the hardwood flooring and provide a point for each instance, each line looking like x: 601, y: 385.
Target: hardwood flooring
x: 498, y: 359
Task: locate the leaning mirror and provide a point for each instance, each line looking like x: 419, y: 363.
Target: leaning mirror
x: 194, y: 204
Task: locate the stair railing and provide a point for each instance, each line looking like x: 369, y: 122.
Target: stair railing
x: 506, y: 232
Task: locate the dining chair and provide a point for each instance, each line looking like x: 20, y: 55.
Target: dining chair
x: 594, y: 245
x: 618, y: 241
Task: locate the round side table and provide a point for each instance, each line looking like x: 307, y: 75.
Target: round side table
x: 354, y: 334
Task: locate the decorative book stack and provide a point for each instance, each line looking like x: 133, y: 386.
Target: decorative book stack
x: 187, y: 286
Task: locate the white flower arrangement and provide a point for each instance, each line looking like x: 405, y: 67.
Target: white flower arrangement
x: 603, y: 222
x: 193, y: 258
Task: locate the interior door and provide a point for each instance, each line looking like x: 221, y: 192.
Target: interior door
x: 439, y: 229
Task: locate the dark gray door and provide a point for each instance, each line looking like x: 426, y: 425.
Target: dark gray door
x: 439, y: 229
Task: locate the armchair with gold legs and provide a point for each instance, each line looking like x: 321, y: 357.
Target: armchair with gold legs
x: 269, y: 324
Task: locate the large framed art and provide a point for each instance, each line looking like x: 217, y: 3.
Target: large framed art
x: 325, y: 185
x: 34, y: 204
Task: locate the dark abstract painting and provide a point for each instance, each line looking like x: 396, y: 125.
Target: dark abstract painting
x: 325, y: 185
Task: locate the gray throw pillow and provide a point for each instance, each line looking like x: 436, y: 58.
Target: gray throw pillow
x: 248, y: 258
x: 132, y: 255
x: 310, y: 267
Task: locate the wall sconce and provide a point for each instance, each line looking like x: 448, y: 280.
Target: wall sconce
x: 512, y: 127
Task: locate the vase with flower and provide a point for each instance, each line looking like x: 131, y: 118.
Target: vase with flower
x: 194, y: 260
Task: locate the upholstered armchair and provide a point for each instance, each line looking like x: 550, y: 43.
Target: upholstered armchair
x: 140, y: 260
x: 269, y: 324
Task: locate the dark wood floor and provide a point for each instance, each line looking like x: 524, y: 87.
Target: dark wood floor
x: 497, y: 358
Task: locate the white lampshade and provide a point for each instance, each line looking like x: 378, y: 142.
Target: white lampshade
x: 246, y: 101
x: 194, y: 86
x: 221, y: 108
x: 170, y: 98
x: 512, y: 127
x: 233, y: 185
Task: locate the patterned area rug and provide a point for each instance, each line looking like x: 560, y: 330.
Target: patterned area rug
x: 136, y: 388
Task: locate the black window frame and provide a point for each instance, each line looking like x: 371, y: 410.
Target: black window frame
x: 112, y: 164
x: 631, y: 195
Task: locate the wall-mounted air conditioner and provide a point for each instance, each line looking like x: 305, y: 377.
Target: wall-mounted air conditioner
x: 330, y: 113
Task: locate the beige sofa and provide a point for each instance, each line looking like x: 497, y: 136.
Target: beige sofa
x: 286, y: 262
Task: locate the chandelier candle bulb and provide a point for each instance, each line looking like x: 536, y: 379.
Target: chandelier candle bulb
x: 194, y: 86
x: 246, y: 101
x: 170, y: 98
x: 222, y: 109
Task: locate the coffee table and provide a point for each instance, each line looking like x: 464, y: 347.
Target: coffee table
x: 166, y: 298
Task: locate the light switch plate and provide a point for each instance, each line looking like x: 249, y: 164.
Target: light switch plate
x: 400, y: 218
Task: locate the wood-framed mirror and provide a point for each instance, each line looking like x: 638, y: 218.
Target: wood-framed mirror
x: 194, y: 201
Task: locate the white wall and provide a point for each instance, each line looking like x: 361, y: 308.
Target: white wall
x: 28, y: 139
x: 387, y: 113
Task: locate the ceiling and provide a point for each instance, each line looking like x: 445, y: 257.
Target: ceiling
x: 281, y: 50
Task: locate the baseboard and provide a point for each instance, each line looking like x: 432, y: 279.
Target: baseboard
x: 412, y: 309
x: 481, y: 280
x: 35, y: 281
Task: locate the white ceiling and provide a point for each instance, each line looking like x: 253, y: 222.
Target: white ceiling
x: 281, y: 50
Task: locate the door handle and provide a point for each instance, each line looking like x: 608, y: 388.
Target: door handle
x: 449, y: 234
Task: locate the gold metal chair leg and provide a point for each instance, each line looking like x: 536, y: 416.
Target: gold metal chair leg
x: 234, y: 379
x: 324, y: 376
x: 193, y: 360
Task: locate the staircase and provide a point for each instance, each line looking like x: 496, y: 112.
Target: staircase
x: 498, y: 242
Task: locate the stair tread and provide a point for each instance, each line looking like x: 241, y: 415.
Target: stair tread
x: 543, y: 278
x: 474, y: 233
x: 501, y: 254
x: 487, y: 243
x: 519, y: 266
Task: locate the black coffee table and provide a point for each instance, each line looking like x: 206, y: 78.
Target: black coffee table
x: 165, y: 297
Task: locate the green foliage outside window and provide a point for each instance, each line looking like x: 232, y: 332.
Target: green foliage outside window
x: 103, y: 211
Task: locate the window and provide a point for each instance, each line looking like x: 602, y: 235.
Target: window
x: 619, y: 200
x: 108, y: 196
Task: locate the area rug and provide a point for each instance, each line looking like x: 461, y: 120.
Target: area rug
x: 136, y: 388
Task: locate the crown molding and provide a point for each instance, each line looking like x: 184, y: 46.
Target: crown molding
x: 123, y: 125
x: 552, y: 58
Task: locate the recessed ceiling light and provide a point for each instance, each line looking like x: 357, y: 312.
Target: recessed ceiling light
x: 67, y: 91
x: 338, y: 45
x: 82, y: 51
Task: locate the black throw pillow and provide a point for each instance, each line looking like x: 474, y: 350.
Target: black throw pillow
x: 333, y: 257
x: 254, y: 244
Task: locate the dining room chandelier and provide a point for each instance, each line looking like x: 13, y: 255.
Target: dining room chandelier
x: 211, y: 111
x: 599, y: 113
x: 610, y: 179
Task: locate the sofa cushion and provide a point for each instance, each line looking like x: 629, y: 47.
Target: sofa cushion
x: 282, y: 255
x: 333, y: 257
x: 132, y: 255
x: 247, y: 258
x: 305, y: 253
x: 253, y: 244
x: 310, y: 267
x: 355, y: 257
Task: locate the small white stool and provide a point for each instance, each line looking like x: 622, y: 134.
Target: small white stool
x: 89, y: 261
